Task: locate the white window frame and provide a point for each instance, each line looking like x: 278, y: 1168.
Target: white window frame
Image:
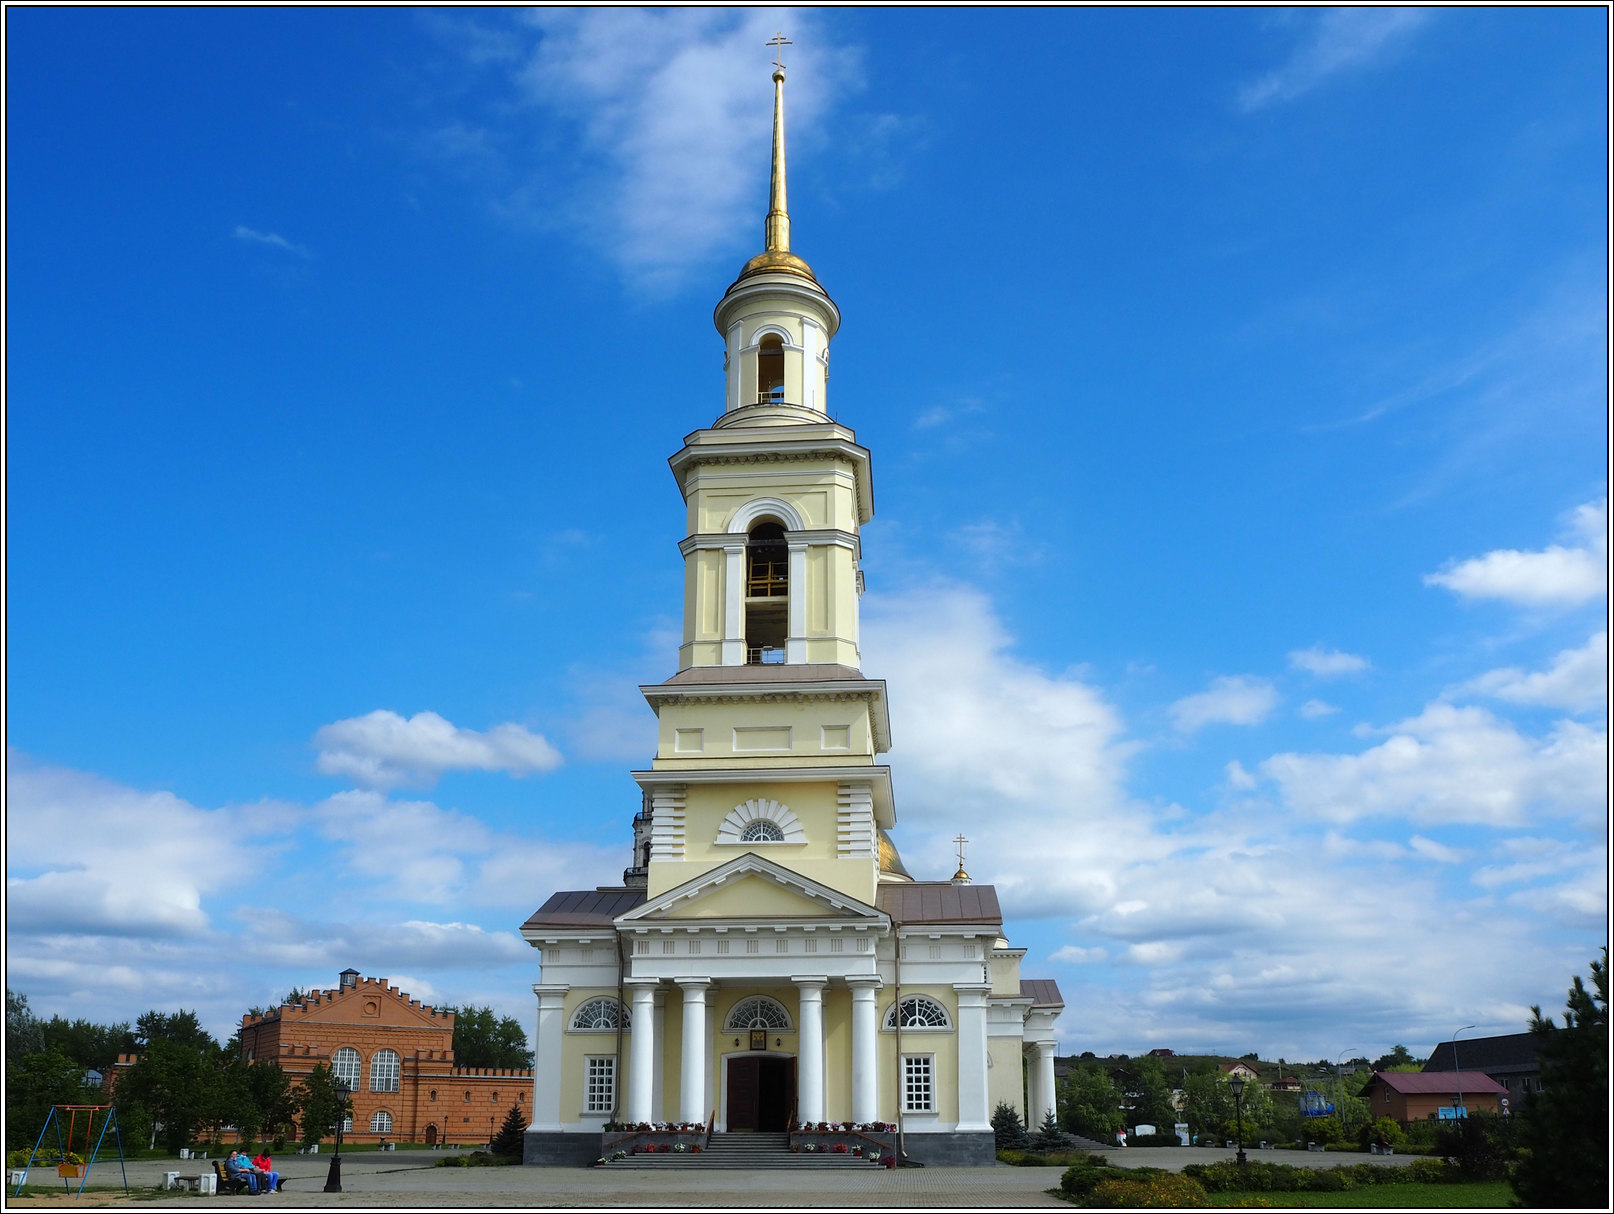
x: 599, y: 1084
x: 375, y: 1122
x: 599, y: 1017
x: 889, y: 1024
x: 733, y: 1024
x: 921, y: 1067
x: 340, y: 1061
x: 389, y: 1079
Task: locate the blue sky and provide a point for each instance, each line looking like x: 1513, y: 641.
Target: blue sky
x: 1237, y: 388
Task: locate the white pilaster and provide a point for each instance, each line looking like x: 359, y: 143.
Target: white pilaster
x: 548, y: 1057
x: 692, y: 1075
x: 865, y: 1047
x: 661, y: 1055
x: 642, y: 1051
x: 810, y: 1048
x: 796, y: 634
x: 734, y: 604
x: 973, y: 1113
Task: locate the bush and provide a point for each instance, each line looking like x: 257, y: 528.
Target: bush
x: 1432, y: 1171
x: 1153, y: 1192
x: 1481, y: 1145
x: 1048, y: 1136
x: 1261, y: 1177
x: 1081, y: 1179
x: 1386, y: 1130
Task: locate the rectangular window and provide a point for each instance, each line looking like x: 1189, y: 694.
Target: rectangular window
x: 599, y: 1091
x: 918, y: 1084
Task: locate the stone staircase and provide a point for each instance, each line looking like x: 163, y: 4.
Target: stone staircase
x: 745, y: 1152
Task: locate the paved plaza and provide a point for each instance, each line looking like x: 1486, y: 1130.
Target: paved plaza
x: 406, y: 1180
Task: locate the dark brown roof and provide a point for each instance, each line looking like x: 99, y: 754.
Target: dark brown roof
x: 1043, y: 992
x: 1509, y: 1054
x: 1438, y: 1083
x: 939, y: 902
x: 809, y: 672
x: 585, y: 907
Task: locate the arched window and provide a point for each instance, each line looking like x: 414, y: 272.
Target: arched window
x: 432, y: 1095
x: 599, y: 1016
x: 757, y: 1012
x: 345, y: 1067
x: 381, y: 1123
x: 770, y: 369
x: 761, y: 830
x: 767, y: 595
x: 919, y: 1012
x: 384, y: 1071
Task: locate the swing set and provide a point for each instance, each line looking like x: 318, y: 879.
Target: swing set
x: 68, y: 1117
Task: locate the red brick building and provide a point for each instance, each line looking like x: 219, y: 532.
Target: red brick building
x: 397, y: 1055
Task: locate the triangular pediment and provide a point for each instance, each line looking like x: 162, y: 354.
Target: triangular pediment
x: 752, y: 887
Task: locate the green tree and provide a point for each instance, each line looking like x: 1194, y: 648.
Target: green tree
x: 1207, y: 1103
x: 1048, y: 1137
x: 318, y: 1106
x: 484, y: 1040
x: 1150, y: 1092
x: 24, y: 1034
x: 35, y: 1082
x: 1008, y: 1134
x: 1398, y: 1059
x: 510, y: 1140
x: 91, y: 1045
x: 177, y: 1085
x: 1565, y: 1124
x: 1090, y: 1104
x: 273, y: 1098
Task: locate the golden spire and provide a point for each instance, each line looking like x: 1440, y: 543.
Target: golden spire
x: 960, y: 877
x: 777, y: 257
x: 777, y: 226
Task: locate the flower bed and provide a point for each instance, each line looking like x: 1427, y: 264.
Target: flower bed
x: 875, y: 1140
x: 621, y: 1139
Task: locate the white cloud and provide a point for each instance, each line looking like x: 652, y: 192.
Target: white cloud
x: 1073, y: 955
x: 671, y: 109
x: 1341, y: 39
x: 87, y: 855
x: 1561, y: 575
x: 1230, y: 700
x: 1326, y: 663
x: 1451, y: 764
x: 1438, y: 852
x: 273, y: 239
x: 1576, y: 681
x: 382, y: 749
x: 1238, y: 777
x: 1312, y: 709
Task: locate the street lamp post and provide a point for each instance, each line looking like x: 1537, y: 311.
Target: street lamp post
x: 333, y: 1178
x: 1237, y: 1084
x: 1458, y: 1069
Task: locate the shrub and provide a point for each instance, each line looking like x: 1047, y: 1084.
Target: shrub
x: 1082, y: 1178
x: 1153, y: 1192
x: 1007, y: 1130
x: 1386, y: 1130
x: 1432, y: 1171
x: 1048, y: 1136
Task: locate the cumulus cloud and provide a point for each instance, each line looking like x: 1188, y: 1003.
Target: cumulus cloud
x: 87, y: 855
x: 1326, y: 663
x: 272, y: 239
x: 1339, y: 40
x: 1230, y: 700
x: 1073, y: 955
x: 1576, y: 681
x: 1451, y: 764
x: 1561, y: 575
x: 383, y: 749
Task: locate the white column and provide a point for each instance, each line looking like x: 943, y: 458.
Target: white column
x: 692, y: 1075
x: 1036, y: 1100
x: 734, y: 604
x: 660, y: 1063
x: 865, y: 1047
x: 973, y: 1113
x: 810, y: 1047
x: 1045, y: 1069
x: 548, y: 1059
x: 796, y: 632
x: 642, y: 1056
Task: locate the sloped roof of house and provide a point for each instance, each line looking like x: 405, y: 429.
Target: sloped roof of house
x: 585, y: 907
x: 1043, y: 992
x: 1509, y: 1054
x: 1438, y: 1083
x: 939, y: 902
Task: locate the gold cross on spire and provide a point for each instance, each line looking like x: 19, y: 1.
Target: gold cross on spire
x: 778, y: 42
x: 959, y: 840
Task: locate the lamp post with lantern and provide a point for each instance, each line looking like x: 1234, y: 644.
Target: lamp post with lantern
x: 1236, y: 1082
x: 333, y: 1178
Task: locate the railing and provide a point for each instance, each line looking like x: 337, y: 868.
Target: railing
x: 711, y: 1120
x: 765, y: 655
x: 768, y: 579
x: 771, y: 396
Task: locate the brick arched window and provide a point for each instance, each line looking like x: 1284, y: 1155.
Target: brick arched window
x: 384, y: 1071
x: 345, y: 1067
x: 381, y: 1123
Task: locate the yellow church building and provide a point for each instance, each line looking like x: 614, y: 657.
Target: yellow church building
x: 767, y: 960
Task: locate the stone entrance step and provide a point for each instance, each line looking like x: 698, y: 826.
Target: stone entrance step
x: 744, y: 1151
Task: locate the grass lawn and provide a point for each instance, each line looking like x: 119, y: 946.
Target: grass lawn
x: 1390, y: 1197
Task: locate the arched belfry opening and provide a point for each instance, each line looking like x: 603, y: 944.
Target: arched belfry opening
x: 767, y: 595
x: 770, y: 370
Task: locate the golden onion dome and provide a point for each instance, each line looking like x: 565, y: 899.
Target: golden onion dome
x: 890, y: 861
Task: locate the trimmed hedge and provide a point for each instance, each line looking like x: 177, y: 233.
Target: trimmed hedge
x: 1135, y: 1192
x: 1261, y: 1177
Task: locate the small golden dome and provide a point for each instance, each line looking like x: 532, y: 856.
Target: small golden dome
x: 777, y: 261
x: 890, y: 861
